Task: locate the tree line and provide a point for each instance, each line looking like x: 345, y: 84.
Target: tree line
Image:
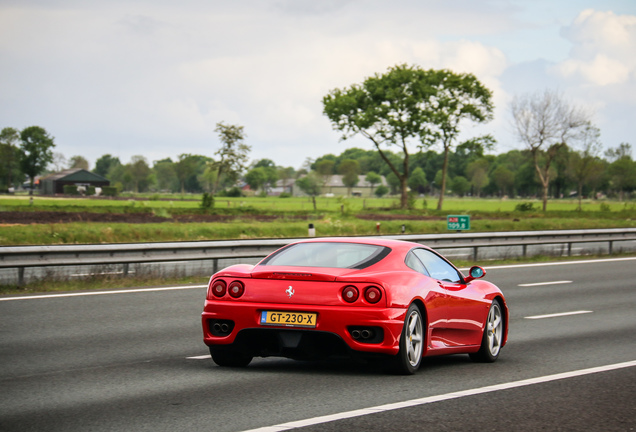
x: 413, y: 118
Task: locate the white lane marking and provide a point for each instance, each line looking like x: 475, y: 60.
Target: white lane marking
x: 439, y: 398
x: 604, y: 260
x: 202, y: 357
x: 202, y: 286
x: 559, y: 314
x: 545, y: 283
x: 130, y: 291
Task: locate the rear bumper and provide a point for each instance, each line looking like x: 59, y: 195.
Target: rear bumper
x: 333, y: 323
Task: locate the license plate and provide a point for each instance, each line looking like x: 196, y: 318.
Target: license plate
x: 289, y: 319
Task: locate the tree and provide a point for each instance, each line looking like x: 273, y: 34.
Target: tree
x: 623, y: 169
x: 349, y: 169
x: 389, y: 110
x: 256, y: 178
x: 9, y: 155
x: 184, y: 168
x: 78, y: 162
x: 417, y: 180
x: 504, y: 179
x: 59, y: 162
x: 408, y: 103
x: 373, y: 179
x: 310, y: 184
x: 36, y: 152
x: 460, y: 185
x: 458, y: 97
x: 165, y: 177
x: 583, y: 165
x: 324, y: 168
x: 232, y: 155
x: 477, y: 172
x: 104, y: 164
x: 545, y: 123
x: 139, y: 171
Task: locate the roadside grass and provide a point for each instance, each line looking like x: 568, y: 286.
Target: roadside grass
x: 111, y: 282
x: 244, y: 228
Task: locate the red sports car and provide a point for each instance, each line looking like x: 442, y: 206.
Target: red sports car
x: 333, y: 296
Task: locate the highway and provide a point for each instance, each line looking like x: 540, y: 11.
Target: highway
x: 134, y: 360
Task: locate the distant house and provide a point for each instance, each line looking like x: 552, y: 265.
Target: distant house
x: 53, y: 184
x: 333, y: 186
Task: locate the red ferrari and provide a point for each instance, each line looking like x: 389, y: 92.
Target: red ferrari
x: 349, y: 296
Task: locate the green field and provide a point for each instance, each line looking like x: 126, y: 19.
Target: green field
x: 289, y: 217
x: 301, y: 204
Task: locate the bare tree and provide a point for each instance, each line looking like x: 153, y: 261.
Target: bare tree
x: 545, y: 122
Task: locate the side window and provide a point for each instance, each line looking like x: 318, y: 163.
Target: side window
x: 413, y: 262
x: 437, y: 267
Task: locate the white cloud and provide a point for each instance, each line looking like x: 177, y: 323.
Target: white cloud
x: 603, y: 48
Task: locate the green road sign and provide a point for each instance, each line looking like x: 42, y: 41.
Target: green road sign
x: 458, y: 222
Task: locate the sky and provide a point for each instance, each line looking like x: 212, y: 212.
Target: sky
x: 154, y: 77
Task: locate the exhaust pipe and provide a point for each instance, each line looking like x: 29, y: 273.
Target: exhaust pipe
x: 355, y: 334
x: 366, y: 334
x: 224, y: 328
x: 217, y: 327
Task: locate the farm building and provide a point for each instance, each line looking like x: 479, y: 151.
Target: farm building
x: 53, y: 184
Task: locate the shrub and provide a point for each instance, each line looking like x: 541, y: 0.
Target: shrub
x: 232, y: 192
x: 70, y: 190
x: 524, y: 207
x: 381, y: 190
x: 207, y: 201
x: 109, y: 191
x: 284, y: 195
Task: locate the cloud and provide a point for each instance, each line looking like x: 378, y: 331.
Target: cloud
x: 603, y: 48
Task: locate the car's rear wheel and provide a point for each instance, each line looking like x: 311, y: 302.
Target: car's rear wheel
x: 409, y: 358
x: 493, y: 336
x: 223, y: 356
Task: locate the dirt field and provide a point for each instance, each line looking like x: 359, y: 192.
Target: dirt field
x: 49, y: 217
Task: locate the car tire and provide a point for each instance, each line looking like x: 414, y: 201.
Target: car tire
x: 493, y: 335
x: 409, y: 358
x: 229, y: 358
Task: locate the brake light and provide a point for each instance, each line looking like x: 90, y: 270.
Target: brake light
x: 217, y: 288
x: 372, y: 294
x: 236, y: 289
x: 350, y: 294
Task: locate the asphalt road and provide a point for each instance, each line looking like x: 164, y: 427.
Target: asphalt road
x: 130, y: 361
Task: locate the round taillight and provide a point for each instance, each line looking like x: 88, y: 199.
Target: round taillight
x: 236, y: 289
x: 372, y: 294
x: 218, y: 288
x: 350, y: 294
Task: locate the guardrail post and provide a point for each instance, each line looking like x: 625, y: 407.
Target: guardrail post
x: 215, y: 265
x: 569, y: 248
x: 125, y: 271
x: 524, y: 250
x: 475, y: 253
x: 20, y: 276
x: 610, y: 246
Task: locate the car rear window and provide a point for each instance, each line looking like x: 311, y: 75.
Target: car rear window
x: 328, y: 254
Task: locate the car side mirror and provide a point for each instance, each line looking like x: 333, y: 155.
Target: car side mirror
x: 475, y: 272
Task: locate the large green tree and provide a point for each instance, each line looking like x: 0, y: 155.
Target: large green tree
x: 390, y: 110
x: 408, y: 104
x: 36, y: 152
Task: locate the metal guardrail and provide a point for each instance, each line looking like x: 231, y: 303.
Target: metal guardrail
x: 22, y: 257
